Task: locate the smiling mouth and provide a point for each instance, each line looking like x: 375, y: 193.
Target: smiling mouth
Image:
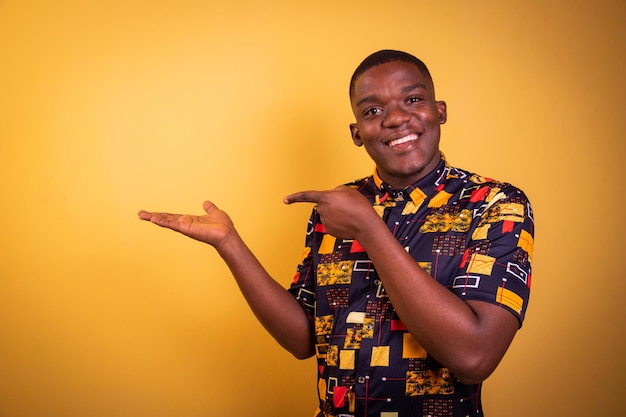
x: 408, y: 138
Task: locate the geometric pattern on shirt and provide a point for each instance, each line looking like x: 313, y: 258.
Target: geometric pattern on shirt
x: 379, y: 310
x: 332, y: 256
x: 306, y: 297
x: 332, y: 357
x: 321, y: 347
x: 417, y: 364
x: 503, y: 211
x: 387, y: 357
x: 481, y: 264
x: 483, y: 247
x: 338, y: 296
x: 436, y: 407
x: 411, y: 349
x: 333, y: 273
x: 448, y: 245
x: 526, y: 242
x: 430, y: 381
x: 446, y: 220
x: 509, y: 298
x: 517, y: 271
x: 521, y: 256
x: 379, y: 356
x: 352, y: 340
x: 324, y: 324
x: 426, y: 266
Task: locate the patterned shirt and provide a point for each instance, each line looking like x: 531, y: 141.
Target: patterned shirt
x: 472, y: 234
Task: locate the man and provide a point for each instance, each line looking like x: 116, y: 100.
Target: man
x: 414, y: 280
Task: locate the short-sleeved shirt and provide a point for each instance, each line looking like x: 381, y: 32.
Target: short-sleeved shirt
x: 472, y: 234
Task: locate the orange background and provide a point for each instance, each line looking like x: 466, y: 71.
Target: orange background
x: 108, y: 107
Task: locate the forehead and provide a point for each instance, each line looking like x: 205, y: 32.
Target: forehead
x: 390, y: 76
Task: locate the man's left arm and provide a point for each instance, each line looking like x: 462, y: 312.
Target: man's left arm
x: 468, y: 337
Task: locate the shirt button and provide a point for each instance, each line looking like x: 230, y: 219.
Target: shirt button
x: 361, y: 380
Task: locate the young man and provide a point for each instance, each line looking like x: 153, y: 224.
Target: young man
x: 415, y: 279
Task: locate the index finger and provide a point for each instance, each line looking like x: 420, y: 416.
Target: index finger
x: 310, y: 196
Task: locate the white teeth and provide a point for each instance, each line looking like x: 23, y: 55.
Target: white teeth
x: 407, y: 138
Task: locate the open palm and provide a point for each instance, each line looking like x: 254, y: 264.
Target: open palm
x: 210, y: 228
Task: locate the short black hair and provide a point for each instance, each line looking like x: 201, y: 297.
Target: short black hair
x: 383, y: 57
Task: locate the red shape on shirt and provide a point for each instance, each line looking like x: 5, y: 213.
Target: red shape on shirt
x: 464, y: 259
x: 356, y: 247
x: 479, y: 194
x: 397, y: 325
x: 339, y: 395
x: 507, y: 226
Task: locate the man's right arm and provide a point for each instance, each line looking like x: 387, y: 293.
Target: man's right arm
x: 276, y: 309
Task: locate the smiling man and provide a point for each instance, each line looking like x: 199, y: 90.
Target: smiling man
x: 415, y: 279
x: 397, y: 117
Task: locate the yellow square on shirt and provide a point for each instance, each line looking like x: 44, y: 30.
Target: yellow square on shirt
x: 380, y: 356
x: 481, y: 264
x: 346, y: 359
x: 412, y: 349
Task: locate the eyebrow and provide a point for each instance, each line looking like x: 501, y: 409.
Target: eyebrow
x: 404, y: 90
x: 415, y: 86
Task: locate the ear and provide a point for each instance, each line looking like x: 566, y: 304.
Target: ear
x: 356, y: 137
x: 442, y: 111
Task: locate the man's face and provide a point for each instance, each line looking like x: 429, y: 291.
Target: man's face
x: 398, y: 121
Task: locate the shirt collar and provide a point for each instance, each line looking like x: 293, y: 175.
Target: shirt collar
x: 426, y: 186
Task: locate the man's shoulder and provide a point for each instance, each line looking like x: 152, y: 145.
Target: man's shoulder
x: 471, y: 180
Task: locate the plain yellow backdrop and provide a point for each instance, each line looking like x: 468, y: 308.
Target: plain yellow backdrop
x: 108, y: 107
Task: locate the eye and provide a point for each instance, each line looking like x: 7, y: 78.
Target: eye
x: 414, y: 99
x: 372, y: 111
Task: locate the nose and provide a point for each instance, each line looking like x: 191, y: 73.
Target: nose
x: 396, y: 116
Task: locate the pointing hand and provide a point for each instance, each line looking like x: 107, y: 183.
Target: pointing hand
x: 344, y: 211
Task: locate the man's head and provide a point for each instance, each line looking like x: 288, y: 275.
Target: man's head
x: 384, y: 56
x: 397, y: 117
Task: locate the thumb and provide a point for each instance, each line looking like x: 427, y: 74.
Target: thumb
x: 209, y: 207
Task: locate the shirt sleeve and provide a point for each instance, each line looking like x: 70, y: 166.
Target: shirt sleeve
x: 303, y: 285
x: 496, y: 266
